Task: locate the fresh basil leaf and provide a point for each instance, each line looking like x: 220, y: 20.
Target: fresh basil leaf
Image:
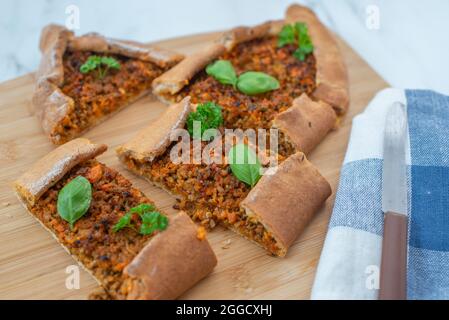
x: 74, y: 199
x: 253, y: 82
x: 223, y: 72
x: 244, y: 164
x: 124, y: 221
x: 208, y: 114
x: 91, y: 64
x: 286, y: 35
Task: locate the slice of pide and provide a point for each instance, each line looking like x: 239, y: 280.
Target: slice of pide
x: 320, y: 74
x: 129, y: 246
x: 83, y: 80
x: 284, y: 202
x: 304, y: 125
x: 331, y: 79
x: 212, y: 194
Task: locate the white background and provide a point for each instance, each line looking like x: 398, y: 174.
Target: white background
x: 410, y: 49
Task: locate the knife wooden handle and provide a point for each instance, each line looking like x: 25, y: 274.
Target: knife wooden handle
x: 393, y: 269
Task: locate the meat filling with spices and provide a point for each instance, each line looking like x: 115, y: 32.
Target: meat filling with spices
x: 252, y: 112
x: 96, y: 97
x: 209, y: 193
x: 92, y: 241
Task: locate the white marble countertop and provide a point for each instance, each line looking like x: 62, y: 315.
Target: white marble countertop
x: 405, y: 41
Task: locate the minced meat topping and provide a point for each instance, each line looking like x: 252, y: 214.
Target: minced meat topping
x: 104, y: 252
x: 97, y: 97
x: 210, y: 194
x: 243, y: 111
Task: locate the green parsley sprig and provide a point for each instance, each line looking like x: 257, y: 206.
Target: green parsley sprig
x: 298, y: 34
x: 102, y: 64
x: 152, y: 220
x: 210, y: 117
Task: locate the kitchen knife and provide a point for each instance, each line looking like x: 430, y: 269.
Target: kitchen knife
x: 393, y: 270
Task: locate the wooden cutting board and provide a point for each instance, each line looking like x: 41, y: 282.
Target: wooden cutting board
x: 33, y: 265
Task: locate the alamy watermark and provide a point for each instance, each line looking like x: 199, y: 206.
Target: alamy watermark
x: 72, y: 22
x: 213, y: 146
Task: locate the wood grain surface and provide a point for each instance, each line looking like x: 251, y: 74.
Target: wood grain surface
x: 33, y: 265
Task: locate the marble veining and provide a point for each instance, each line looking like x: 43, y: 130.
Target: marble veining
x: 405, y: 42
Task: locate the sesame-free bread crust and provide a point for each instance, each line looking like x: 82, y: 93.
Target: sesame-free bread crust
x: 53, y: 166
x: 285, y: 201
x: 332, y: 77
x: 50, y: 104
x: 154, y: 139
x: 171, y: 263
x: 306, y: 123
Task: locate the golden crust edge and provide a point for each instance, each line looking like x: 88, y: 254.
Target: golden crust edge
x: 49, y: 103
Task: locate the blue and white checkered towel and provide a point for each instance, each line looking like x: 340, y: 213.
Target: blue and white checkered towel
x: 350, y: 260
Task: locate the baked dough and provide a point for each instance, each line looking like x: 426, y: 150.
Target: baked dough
x: 168, y: 263
x: 279, y: 206
x: 51, y: 105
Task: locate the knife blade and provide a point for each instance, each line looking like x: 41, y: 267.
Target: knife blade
x: 393, y: 272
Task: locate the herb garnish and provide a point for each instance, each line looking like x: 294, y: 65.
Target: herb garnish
x: 152, y: 220
x: 250, y: 82
x: 102, y: 64
x: 244, y: 164
x: 223, y: 71
x: 208, y: 114
x: 298, y: 34
x: 74, y: 200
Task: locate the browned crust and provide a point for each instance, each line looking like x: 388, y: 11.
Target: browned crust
x: 241, y: 34
x: 51, y: 105
x: 154, y: 139
x: 331, y: 77
x: 98, y: 43
x: 306, y: 123
x: 179, y: 76
x: 171, y: 263
x: 285, y: 202
x: 172, y: 81
x: 52, y: 167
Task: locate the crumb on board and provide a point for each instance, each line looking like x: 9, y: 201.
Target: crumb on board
x: 226, y: 244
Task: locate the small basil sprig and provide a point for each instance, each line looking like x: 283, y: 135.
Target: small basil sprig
x: 298, y: 34
x: 152, y: 220
x: 223, y: 71
x: 244, y: 164
x: 74, y: 199
x: 250, y: 82
x: 97, y: 62
x: 208, y: 114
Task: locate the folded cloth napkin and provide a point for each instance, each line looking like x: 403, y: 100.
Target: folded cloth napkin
x: 350, y: 260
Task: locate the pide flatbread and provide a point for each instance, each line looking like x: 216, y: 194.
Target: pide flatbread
x: 68, y: 101
x: 127, y: 264
x: 272, y: 213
